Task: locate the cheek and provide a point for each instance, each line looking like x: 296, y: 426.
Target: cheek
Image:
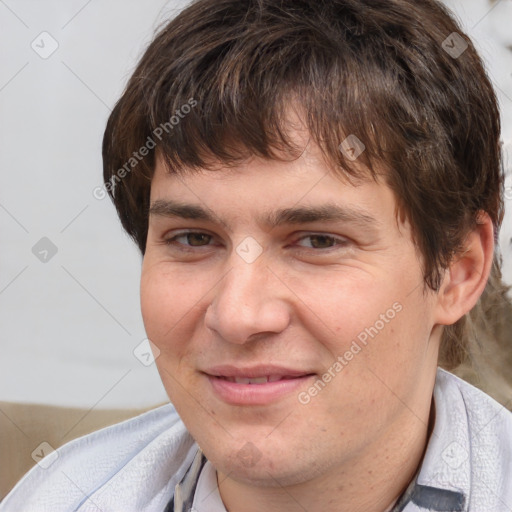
x: 369, y: 322
x: 170, y: 313
x: 342, y: 306
x: 169, y: 302
x: 155, y: 303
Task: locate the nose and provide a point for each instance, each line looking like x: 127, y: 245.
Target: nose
x: 249, y: 301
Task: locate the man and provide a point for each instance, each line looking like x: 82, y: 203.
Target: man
x: 315, y: 186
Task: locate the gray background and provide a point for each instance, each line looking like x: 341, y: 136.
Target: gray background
x: 69, y: 290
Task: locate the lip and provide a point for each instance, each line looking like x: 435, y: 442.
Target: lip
x: 254, y: 372
x: 235, y: 393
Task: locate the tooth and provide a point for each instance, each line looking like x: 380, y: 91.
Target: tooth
x: 242, y: 380
x: 259, y: 380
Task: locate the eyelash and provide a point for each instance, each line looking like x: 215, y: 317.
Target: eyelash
x: 338, y: 241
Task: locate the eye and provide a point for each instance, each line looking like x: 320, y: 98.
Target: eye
x: 190, y: 239
x: 321, y: 241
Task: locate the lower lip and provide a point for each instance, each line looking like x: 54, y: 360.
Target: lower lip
x: 255, y: 394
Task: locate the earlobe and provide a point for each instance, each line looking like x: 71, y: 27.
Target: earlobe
x: 466, y: 277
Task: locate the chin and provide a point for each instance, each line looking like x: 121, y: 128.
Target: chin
x: 263, y: 468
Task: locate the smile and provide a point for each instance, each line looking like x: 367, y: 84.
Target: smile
x: 255, y: 386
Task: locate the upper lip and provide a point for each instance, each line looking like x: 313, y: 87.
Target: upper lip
x: 254, y: 372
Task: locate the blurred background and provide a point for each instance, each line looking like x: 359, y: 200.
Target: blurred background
x: 71, y: 332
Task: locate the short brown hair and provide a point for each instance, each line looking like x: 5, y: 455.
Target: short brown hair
x: 382, y: 70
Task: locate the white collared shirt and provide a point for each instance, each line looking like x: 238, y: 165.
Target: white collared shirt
x: 207, y: 497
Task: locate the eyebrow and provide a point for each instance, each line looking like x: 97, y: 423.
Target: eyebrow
x: 288, y: 216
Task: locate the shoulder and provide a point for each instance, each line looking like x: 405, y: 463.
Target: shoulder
x: 470, y: 450
x: 133, y: 465
x: 482, y: 410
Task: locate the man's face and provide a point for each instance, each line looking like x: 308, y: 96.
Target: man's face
x: 294, y: 330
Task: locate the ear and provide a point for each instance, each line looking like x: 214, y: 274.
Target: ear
x: 465, y: 279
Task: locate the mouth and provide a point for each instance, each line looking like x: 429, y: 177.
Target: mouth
x: 256, y: 380
x: 261, y: 385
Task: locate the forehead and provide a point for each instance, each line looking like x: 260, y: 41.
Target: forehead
x: 305, y: 167
x: 300, y: 162
x: 271, y: 193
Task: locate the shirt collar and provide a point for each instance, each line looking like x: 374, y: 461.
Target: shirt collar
x: 207, y: 496
x: 444, y: 479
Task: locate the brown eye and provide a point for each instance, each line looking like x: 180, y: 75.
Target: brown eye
x: 319, y: 241
x: 322, y: 241
x: 198, y: 239
x: 190, y: 239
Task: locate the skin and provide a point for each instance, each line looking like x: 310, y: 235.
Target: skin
x: 358, y: 442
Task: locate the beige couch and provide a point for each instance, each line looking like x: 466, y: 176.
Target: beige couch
x: 24, y: 427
